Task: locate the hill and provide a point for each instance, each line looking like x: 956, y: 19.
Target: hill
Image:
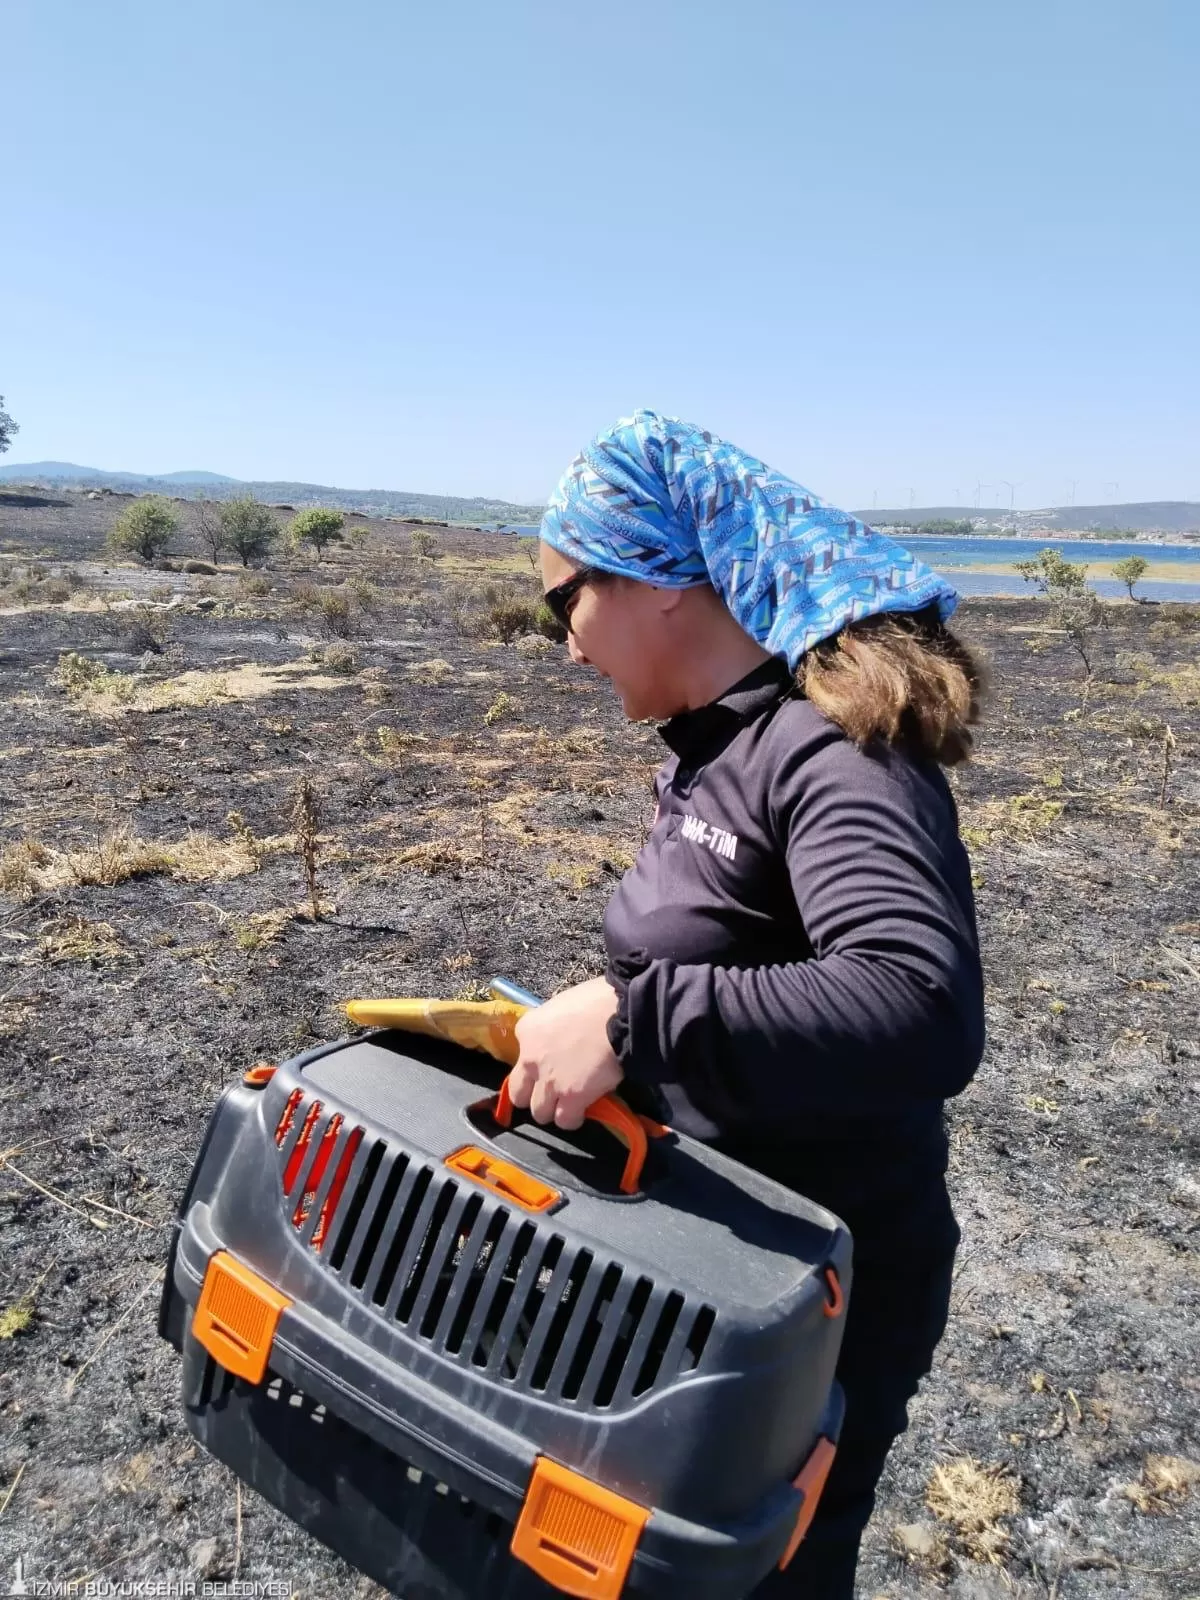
x: 70, y: 472
x: 1141, y: 516
x: 213, y: 485
x: 1147, y: 516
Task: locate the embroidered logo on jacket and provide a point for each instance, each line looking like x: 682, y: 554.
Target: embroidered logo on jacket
x: 725, y: 844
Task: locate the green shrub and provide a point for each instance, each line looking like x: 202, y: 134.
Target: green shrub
x: 545, y: 622
x: 248, y: 529
x: 79, y: 676
x: 502, y: 706
x: 424, y: 543
x: 366, y: 595
x: 1130, y: 571
x: 317, y: 527
x: 143, y: 630
x: 1053, y: 574
x: 509, y: 616
x: 336, y: 658
x: 337, y: 612
x: 144, y: 529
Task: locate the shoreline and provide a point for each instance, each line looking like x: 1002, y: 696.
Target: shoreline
x: 1186, y: 572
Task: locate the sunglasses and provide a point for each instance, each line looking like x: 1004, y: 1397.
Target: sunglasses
x: 560, y: 597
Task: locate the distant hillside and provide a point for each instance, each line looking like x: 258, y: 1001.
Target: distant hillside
x: 213, y: 486
x: 205, y: 478
x: 1143, y: 516
x: 1149, y: 516
x: 69, y: 472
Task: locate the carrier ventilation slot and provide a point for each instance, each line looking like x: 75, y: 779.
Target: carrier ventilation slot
x: 475, y: 1282
x: 465, y: 1275
x: 623, y: 1343
x: 501, y: 1294
x: 354, y: 1206
x: 309, y: 1146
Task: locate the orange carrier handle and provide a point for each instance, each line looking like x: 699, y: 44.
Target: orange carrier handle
x: 629, y: 1127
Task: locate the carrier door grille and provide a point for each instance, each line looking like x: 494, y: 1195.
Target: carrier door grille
x: 472, y: 1278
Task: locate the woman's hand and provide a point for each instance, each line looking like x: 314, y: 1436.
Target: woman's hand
x: 566, y: 1061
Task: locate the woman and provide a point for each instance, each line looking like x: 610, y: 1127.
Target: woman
x: 793, y: 967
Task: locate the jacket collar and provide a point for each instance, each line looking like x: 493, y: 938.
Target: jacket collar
x: 692, y: 731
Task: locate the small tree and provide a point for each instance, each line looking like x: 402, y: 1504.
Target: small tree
x: 1075, y: 610
x: 209, y: 531
x: 318, y: 527
x: 1053, y: 574
x: 424, y: 543
x: 530, y: 547
x: 7, y: 427
x: 1131, y: 571
x: 249, y: 529
x: 144, y: 529
x: 1079, y: 616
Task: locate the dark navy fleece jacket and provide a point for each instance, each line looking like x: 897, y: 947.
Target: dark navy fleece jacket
x: 797, y: 959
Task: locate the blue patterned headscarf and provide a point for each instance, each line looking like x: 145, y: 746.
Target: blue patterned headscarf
x: 666, y: 503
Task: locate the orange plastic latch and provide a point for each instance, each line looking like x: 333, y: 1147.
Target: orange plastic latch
x: 576, y: 1535
x: 237, y: 1315
x: 810, y: 1481
x: 836, y: 1301
x: 503, y: 1178
x: 259, y: 1075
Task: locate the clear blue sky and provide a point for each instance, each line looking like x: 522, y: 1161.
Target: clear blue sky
x: 886, y: 246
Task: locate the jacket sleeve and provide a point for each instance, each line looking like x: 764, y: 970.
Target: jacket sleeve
x: 889, y: 1009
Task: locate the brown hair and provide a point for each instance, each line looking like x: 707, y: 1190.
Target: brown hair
x: 903, y: 678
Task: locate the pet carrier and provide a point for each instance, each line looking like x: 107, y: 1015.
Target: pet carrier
x: 478, y: 1356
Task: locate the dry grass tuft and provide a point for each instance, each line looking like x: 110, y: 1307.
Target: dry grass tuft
x: 116, y: 856
x: 261, y: 928
x: 1021, y: 816
x: 432, y: 670
x: 75, y: 938
x: 93, y: 687
x: 578, y: 877
x: 973, y: 1496
x: 394, y: 742
x: 1182, y: 683
x: 84, y: 681
x: 437, y: 855
x: 1165, y: 1483
x: 29, y: 867
x: 504, y: 705
x: 342, y: 658
x: 21, y: 866
x: 376, y: 690
x: 200, y: 858
x: 16, y: 1318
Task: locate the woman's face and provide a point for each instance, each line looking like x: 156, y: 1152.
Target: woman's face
x: 617, y: 627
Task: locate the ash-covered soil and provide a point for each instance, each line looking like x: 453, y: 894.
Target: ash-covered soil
x: 478, y: 801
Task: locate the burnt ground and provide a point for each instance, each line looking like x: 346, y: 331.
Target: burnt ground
x: 478, y: 803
